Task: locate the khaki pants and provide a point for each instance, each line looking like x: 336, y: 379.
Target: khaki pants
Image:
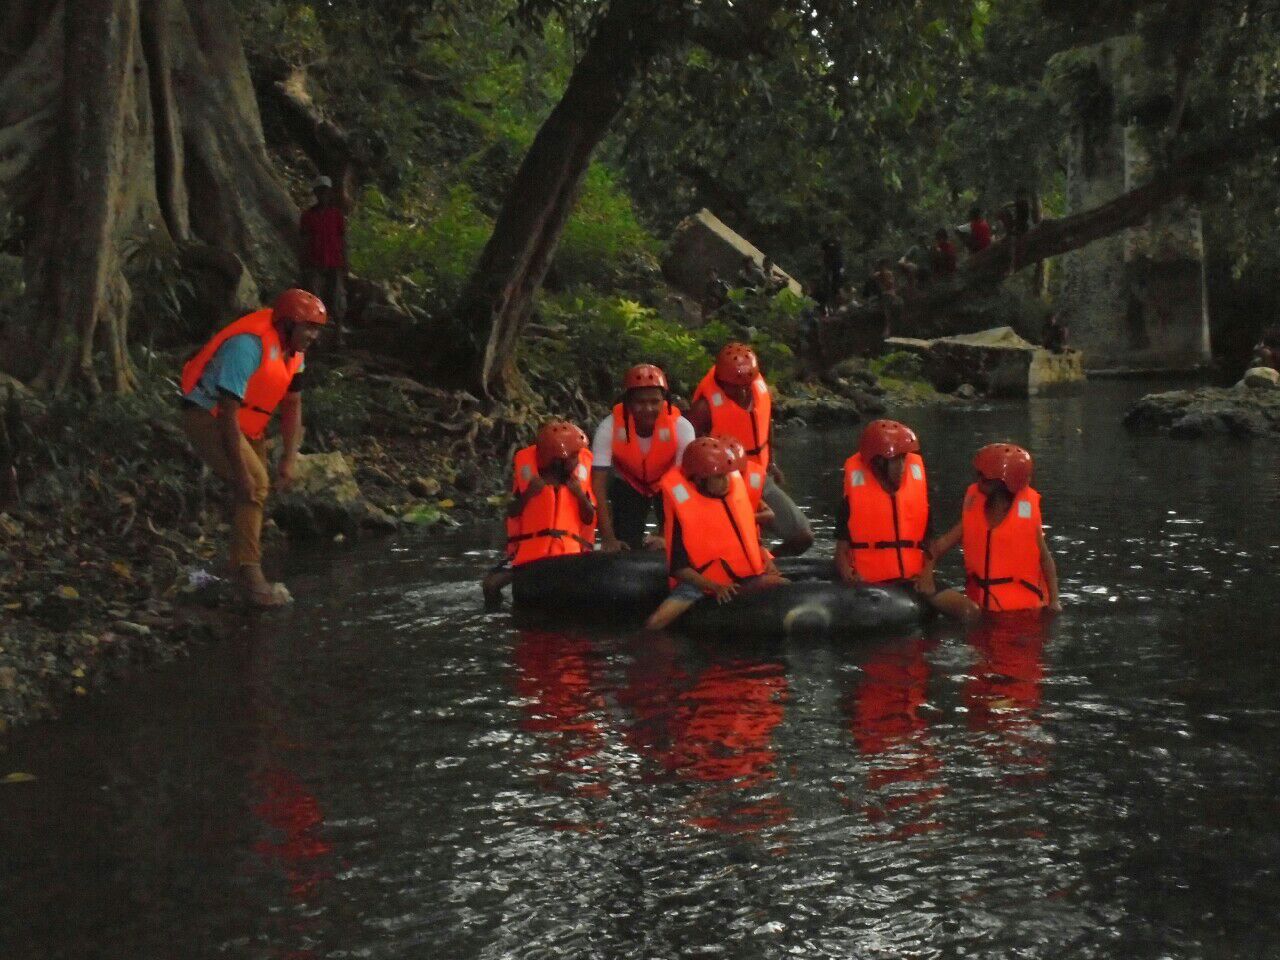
x: 205, y: 433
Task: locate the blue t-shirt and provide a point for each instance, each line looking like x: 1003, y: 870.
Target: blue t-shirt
x: 229, y: 370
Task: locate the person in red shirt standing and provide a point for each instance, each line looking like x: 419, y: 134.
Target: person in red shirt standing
x: 979, y: 231
x: 324, y: 251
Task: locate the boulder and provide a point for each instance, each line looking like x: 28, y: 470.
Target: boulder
x: 1237, y: 412
x: 702, y: 243
x: 997, y: 362
x: 1261, y: 378
x: 326, y: 501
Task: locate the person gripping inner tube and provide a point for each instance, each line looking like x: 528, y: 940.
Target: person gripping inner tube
x: 713, y: 543
x: 1008, y: 565
x: 882, y: 527
x: 733, y: 400
x: 642, y: 438
x: 552, y: 511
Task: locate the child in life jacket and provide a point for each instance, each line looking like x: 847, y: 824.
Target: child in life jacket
x: 552, y: 511
x: 1007, y: 562
x: 713, y: 543
x: 883, y: 528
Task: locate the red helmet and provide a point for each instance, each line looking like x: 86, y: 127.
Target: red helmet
x: 706, y: 457
x: 734, y: 446
x: 300, y: 307
x: 558, y: 440
x: 1009, y: 464
x: 644, y: 375
x: 887, y: 438
x: 736, y: 364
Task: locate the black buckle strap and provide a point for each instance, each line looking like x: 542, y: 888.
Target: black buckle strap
x: 889, y: 545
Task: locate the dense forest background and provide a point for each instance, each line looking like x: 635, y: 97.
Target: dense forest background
x: 514, y: 167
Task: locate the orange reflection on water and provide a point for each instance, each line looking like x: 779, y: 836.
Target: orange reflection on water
x: 289, y: 808
x: 1005, y: 690
x: 714, y: 728
x: 885, y: 714
x: 558, y: 675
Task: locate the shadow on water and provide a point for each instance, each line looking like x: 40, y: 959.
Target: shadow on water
x: 387, y: 770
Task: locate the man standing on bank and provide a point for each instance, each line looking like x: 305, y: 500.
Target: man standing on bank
x: 230, y: 389
x: 323, y: 230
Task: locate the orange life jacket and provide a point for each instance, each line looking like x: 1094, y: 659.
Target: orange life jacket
x: 720, y: 533
x: 267, y: 385
x: 886, y: 533
x: 752, y: 427
x: 644, y: 470
x: 754, y: 476
x: 551, y: 524
x: 1003, y: 564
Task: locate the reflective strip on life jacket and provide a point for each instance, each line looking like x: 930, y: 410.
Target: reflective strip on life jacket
x: 1002, y: 564
x: 753, y: 427
x: 641, y: 470
x: 755, y: 477
x: 268, y: 384
x: 886, y: 532
x: 719, y: 533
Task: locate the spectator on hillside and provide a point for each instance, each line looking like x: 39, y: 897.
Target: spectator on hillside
x: 915, y: 263
x: 715, y: 294
x: 1266, y: 353
x: 942, y: 258
x: 1054, y: 336
x: 832, y: 268
x: 979, y: 231
x: 323, y: 231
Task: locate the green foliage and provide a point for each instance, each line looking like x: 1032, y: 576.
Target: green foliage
x: 898, y: 365
x: 163, y: 297
x: 603, y: 236
x: 430, y: 241
x: 598, y: 336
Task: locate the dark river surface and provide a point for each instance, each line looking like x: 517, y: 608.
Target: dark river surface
x: 388, y: 771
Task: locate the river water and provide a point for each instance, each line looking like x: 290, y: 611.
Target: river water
x: 387, y: 771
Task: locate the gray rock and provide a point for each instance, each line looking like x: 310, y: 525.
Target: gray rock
x: 326, y: 501
x: 702, y: 243
x: 1261, y: 378
x: 1244, y: 413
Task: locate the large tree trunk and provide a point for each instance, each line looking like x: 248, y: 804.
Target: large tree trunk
x: 122, y: 121
x: 499, y: 295
x: 848, y: 334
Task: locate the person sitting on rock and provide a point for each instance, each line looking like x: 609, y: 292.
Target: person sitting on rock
x: 1266, y: 352
x: 552, y: 511
x: 715, y: 294
x: 733, y: 400
x: 713, y: 544
x: 1054, y: 336
x: 751, y: 276
x: 1007, y: 561
x: 882, y: 529
x: 230, y: 390
x: 634, y: 447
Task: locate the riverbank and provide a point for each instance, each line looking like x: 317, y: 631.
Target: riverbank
x: 114, y: 555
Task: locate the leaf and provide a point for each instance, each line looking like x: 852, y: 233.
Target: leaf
x: 122, y: 570
x: 446, y: 504
x: 18, y: 778
x: 68, y: 593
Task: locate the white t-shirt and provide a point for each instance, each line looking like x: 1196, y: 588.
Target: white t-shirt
x: 602, y: 445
